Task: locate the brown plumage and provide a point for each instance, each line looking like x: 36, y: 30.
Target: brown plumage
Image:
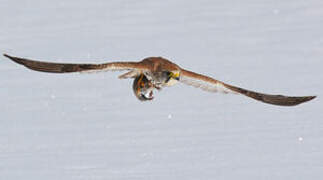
x: 157, y: 72
x: 68, y: 68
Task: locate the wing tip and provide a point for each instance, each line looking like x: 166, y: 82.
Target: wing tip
x: 301, y: 100
x: 15, y: 59
x: 10, y: 57
x: 6, y: 55
x: 289, y: 101
x: 308, y: 98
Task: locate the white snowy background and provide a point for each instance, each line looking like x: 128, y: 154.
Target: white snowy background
x: 90, y: 126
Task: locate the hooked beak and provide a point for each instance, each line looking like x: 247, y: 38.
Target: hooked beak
x: 175, y: 76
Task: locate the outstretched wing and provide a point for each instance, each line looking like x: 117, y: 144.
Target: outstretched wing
x: 68, y: 68
x: 209, y: 84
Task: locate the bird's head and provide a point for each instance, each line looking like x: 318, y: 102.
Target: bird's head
x: 143, y: 88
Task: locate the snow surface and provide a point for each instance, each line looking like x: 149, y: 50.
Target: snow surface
x: 90, y: 126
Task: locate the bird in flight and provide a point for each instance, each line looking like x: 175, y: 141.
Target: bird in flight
x: 157, y: 72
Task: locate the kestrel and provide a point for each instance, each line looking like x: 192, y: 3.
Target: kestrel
x: 157, y: 72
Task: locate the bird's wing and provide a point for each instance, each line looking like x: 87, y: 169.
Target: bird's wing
x: 68, y: 67
x: 209, y: 84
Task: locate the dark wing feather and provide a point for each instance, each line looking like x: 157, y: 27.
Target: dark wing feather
x: 209, y: 84
x: 68, y: 68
